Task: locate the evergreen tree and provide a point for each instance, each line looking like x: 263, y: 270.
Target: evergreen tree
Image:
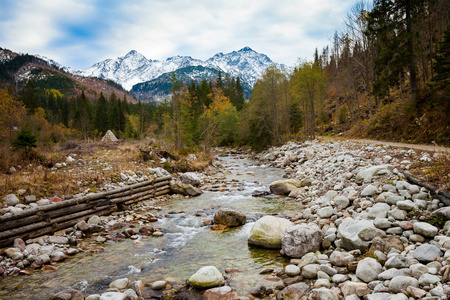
x: 101, y: 115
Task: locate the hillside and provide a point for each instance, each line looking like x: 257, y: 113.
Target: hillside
x: 18, y: 69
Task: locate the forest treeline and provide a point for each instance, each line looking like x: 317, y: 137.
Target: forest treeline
x: 385, y: 75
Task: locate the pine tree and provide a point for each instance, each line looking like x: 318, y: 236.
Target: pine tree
x: 101, y: 115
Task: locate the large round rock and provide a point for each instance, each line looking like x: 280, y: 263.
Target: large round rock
x: 284, y: 187
x: 268, y: 231
x: 301, y: 239
x: 349, y: 232
x: 427, y: 253
x: 206, y: 277
x: 368, y: 269
x: 229, y: 218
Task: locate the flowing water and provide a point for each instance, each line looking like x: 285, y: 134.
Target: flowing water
x: 186, y: 245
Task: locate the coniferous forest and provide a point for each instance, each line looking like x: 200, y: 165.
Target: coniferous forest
x: 385, y: 75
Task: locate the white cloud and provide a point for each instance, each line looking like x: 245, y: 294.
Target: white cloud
x: 282, y: 29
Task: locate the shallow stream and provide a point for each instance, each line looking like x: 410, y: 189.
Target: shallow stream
x: 186, y: 246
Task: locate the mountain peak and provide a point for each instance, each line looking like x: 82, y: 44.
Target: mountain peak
x: 246, y: 49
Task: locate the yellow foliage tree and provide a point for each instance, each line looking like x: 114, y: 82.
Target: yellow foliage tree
x: 11, y: 114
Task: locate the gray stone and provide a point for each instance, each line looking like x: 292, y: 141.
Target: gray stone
x: 58, y: 239
x: 177, y: 187
x: 328, y: 270
x: 368, y: 269
x: 443, y: 212
x: 322, y: 283
x: 327, y: 198
x: 30, y: 199
x: 190, y: 178
x: 223, y: 292
x: 339, y: 278
x: 68, y: 294
x: 57, y: 256
x: 292, y: 270
x: 382, y: 223
x: 401, y: 283
x: 427, y: 253
x: 341, y: 259
x: 369, y: 191
x: 326, y: 212
x: 354, y: 288
x: 366, y: 175
x: 132, y: 294
x: 301, y: 239
x: 114, y: 296
x: 407, y: 205
x: 425, y: 229
x: 207, y: 277
x: 268, y: 231
x: 392, y: 200
x: 397, y: 214
x: 418, y: 270
x: 341, y: 201
x: 83, y: 226
x: 294, y: 291
x: 427, y: 279
x: 377, y: 296
x: 379, y: 210
x: 349, y: 231
x: 11, y: 200
x: 391, y: 273
x: 397, y: 261
x: 324, y: 293
x: 310, y: 271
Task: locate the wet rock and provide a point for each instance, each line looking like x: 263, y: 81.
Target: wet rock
x: 427, y: 253
x: 119, y: 283
x: 301, y: 239
x: 294, y: 291
x: 229, y: 218
x: 137, y: 286
x: 206, y: 277
x: 159, y: 285
x: 114, y: 296
x: 220, y: 293
x: 69, y: 294
x: 131, y: 294
x: 368, y: 269
x: 258, y: 193
x: 284, y: 187
x: 268, y: 231
x: 57, y: 256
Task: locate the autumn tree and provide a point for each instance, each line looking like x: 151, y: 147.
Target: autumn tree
x: 12, y: 112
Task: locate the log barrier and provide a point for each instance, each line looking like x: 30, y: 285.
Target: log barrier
x: 50, y: 218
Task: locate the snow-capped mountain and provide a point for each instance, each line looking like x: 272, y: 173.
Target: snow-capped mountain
x: 134, y: 68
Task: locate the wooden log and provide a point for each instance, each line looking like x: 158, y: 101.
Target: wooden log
x: 42, y: 216
x: 165, y: 178
x: 134, y: 196
x: 54, y: 228
x: 31, y: 227
x: 436, y: 191
x: 74, y: 201
x: 163, y: 192
x: 164, y: 187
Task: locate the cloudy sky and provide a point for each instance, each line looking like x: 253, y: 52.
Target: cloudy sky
x: 79, y: 33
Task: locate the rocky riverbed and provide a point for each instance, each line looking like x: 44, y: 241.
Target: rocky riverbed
x: 355, y: 229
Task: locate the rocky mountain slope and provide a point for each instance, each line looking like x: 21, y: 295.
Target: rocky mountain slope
x: 150, y: 75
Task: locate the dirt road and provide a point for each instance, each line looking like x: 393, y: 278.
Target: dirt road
x: 393, y: 144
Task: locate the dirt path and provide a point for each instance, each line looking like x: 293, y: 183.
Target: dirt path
x: 393, y: 144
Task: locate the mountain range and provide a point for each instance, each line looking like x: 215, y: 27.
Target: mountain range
x: 149, y: 81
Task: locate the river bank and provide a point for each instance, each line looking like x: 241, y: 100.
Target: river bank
x: 330, y: 193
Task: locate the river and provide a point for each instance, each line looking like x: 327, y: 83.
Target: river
x: 186, y: 246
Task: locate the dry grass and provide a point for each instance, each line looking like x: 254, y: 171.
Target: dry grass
x: 436, y: 172
x: 103, y: 164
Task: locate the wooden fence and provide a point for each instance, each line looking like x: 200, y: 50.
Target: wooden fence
x: 49, y: 218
